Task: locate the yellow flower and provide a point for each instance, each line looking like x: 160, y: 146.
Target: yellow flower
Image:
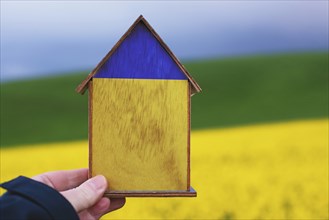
x: 273, y: 171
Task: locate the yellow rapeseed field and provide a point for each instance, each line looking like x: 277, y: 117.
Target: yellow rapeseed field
x: 273, y: 171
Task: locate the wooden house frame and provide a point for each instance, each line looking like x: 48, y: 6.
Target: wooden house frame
x: 192, y: 88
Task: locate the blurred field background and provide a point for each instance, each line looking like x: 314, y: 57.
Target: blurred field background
x: 276, y: 169
x: 259, y: 143
x: 273, y: 171
x: 237, y: 91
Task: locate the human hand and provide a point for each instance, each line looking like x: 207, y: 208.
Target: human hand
x: 85, y: 195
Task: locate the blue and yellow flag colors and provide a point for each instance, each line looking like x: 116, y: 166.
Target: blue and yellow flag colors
x: 259, y: 143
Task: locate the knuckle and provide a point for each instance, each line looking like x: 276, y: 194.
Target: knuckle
x: 86, y: 194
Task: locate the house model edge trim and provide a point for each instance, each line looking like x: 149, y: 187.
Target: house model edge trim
x: 178, y: 193
x: 195, y: 88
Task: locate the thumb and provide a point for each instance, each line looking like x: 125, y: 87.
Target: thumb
x: 87, y: 194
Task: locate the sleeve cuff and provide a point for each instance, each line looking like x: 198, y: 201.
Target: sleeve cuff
x: 46, y: 197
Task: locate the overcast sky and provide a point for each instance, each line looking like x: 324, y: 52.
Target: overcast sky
x: 44, y: 37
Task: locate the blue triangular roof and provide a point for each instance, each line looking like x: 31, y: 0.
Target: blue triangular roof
x: 140, y: 56
x: 140, y: 53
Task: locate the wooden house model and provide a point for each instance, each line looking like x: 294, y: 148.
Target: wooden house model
x: 139, y: 117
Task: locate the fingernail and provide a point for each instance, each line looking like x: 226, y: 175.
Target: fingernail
x: 99, y: 182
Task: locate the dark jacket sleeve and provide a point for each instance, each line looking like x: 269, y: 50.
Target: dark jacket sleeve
x: 28, y: 199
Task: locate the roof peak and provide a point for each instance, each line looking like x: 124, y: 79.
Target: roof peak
x: 83, y: 86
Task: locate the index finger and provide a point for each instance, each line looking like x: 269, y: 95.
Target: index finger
x: 64, y: 179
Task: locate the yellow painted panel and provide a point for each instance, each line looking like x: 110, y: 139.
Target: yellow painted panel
x: 140, y: 133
